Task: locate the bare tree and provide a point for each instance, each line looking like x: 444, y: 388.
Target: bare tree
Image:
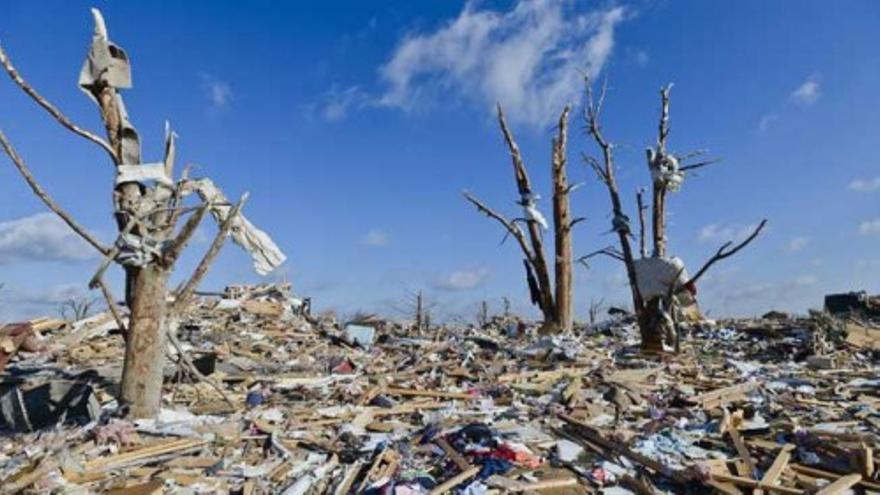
x: 148, y: 207
x: 555, y: 303
x: 655, y: 308
x: 416, y: 306
x: 76, y: 308
x: 483, y: 314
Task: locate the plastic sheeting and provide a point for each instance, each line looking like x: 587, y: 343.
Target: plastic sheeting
x: 656, y: 275
x: 266, y: 255
x: 529, y: 203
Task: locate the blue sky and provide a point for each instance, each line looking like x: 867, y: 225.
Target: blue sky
x: 356, y: 125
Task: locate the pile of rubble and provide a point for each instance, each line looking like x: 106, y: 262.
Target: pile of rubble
x: 265, y: 398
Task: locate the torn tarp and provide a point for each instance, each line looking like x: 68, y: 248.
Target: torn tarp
x: 265, y: 253
x: 655, y: 276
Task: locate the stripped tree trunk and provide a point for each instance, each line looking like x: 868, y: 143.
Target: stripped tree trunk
x: 562, y: 223
x: 655, y: 316
x: 555, y: 302
x: 147, y: 205
x: 141, y: 386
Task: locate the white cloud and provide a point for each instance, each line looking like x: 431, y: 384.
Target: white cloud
x: 808, y: 92
x: 375, y: 238
x: 798, y: 244
x: 336, y: 103
x: 41, y: 237
x: 870, y: 227
x: 805, y: 281
x: 462, y: 279
x: 865, y: 185
x: 866, y: 263
x: 766, y: 120
x: 531, y: 59
x: 218, y: 93
x: 641, y: 58
x: 20, y: 304
x: 724, y: 233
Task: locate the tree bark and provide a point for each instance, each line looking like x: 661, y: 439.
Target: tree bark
x: 562, y: 227
x: 141, y: 388
x: 658, y: 217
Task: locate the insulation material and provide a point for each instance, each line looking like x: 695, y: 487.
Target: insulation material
x: 655, y: 276
x: 265, y: 253
x: 666, y: 171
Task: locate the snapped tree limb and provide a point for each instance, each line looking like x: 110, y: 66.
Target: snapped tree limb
x: 47, y: 200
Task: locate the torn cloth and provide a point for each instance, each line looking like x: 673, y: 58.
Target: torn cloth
x: 665, y: 170
x: 266, y: 255
x: 529, y: 202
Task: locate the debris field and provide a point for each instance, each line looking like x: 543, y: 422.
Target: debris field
x: 261, y: 397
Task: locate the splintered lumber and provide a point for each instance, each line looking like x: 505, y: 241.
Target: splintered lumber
x: 719, y: 397
x: 842, y: 484
x: 350, y: 475
x: 593, y: 436
x: 739, y: 480
x: 143, y: 455
x: 456, y: 480
x: 453, y: 454
x: 743, y: 451
x: 427, y: 393
x: 513, y: 486
x: 148, y: 488
x: 828, y: 475
x: 775, y: 470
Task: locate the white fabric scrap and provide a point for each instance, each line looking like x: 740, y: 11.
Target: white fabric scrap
x: 667, y: 172
x: 531, y: 212
x: 656, y: 275
x: 266, y: 255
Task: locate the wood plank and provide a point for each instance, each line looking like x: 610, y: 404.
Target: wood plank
x: 775, y: 471
x: 842, y: 484
x: 453, y: 482
x: 739, y: 480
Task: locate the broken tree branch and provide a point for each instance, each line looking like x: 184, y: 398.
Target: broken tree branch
x: 184, y: 292
x: 724, y: 252
x: 511, y: 227
x: 49, y: 107
x: 191, y: 367
x: 607, y: 251
x: 591, y: 117
x: 111, y: 305
x: 640, y: 203
x: 44, y: 196
x: 186, y: 232
x: 694, y: 166
x: 534, y: 223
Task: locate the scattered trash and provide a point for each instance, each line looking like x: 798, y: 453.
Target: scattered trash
x: 380, y: 407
